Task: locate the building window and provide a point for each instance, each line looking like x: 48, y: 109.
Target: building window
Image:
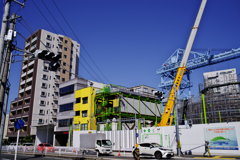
x: 66, y: 41
x: 44, y: 85
x: 77, y: 113
x: 63, y: 71
x: 43, y: 94
x: 84, y: 113
x: 66, y: 107
x: 63, y: 79
x: 45, y: 68
x: 65, y: 56
x: 64, y: 122
x: 49, y: 37
x: 40, y: 121
x: 84, y: 126
x: 64, y: 63
x: 85, y: 100
x: 45, y: 77
x: 48, y: 45
x: 66, y: 90
x: 65, y: 48
x: 78, y: 100
x: 41, y: 112
x: 42, y: 103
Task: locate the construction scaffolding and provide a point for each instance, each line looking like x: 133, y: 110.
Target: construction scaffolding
x: 215, y: 107
x: 118, y: 108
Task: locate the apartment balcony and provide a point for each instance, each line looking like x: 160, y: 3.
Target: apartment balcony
x: 30, y: 71
x: 25, y: 114
x: 55, y: 97
x: 31, y: 63
x: 11, y: 125
x: 27, y: 45
x: 55, y: 106
x: 12, y: 117
x: 26, y: 106
x: 16, y: 108
x: 34, y: 39
x: 56, y: 80
x: 23, y: 82
x: 23, y: 75
x: 24, y: 67
x: 54, y: 116
x: 33, y: 47
x: 28, y: 88
x: 27, y: 96
x: 29, y: 79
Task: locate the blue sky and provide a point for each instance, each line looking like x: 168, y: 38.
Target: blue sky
x: 130, y: 39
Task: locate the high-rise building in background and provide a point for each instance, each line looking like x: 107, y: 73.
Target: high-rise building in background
x: 37, y: 100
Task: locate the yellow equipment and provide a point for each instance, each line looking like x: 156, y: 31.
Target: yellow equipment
x: 166, y: 117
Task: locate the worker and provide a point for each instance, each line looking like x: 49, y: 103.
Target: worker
x: 136, y: 153
x: 207, y: 150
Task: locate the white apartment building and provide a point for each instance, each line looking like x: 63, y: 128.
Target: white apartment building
x: 38, y: 94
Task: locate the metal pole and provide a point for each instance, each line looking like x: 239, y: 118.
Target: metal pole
x: 2, y: 50
x: 4, y: 28
x: 5, y: 72
x: 15, y: 155
x: 177, y: 127
x: 204, y: 108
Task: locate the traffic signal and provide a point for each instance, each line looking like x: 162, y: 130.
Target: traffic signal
x: 55, y: 63
x: 46, y: 55
x: 41, y: 54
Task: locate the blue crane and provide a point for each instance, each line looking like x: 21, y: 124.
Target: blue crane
x: 196, y: 60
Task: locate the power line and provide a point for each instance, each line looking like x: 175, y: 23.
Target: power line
x: 64, y: 33
x: 39, y: 10
x: 41, y: 13
x: 53, y: 17
x: 69, y: 26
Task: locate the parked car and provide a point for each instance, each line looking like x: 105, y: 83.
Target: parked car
x: 12, y: 146
x: 28, y: 144
x: 153, y: 150
x: 45, y: 147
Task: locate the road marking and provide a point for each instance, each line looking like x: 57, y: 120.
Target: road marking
x: 215, y: 157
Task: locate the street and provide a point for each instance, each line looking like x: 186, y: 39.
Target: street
x: 9, y: 156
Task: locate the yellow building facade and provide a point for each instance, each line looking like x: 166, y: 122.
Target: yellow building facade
x: 84, y: 118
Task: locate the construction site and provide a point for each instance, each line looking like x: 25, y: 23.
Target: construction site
x: 213, y: 116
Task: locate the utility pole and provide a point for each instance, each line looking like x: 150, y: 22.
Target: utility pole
x: 4, y: 29
x: 2, y: 50
x: 5, y: 70
x: 6, y: 38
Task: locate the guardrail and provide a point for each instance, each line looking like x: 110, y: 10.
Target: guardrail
x: 54, y: 151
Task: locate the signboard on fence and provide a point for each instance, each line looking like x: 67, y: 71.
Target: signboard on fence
x: 221, y: 138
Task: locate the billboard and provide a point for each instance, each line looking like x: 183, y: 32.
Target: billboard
x: 221, y: 138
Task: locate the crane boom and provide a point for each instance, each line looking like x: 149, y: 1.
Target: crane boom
x: 181, y: 69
